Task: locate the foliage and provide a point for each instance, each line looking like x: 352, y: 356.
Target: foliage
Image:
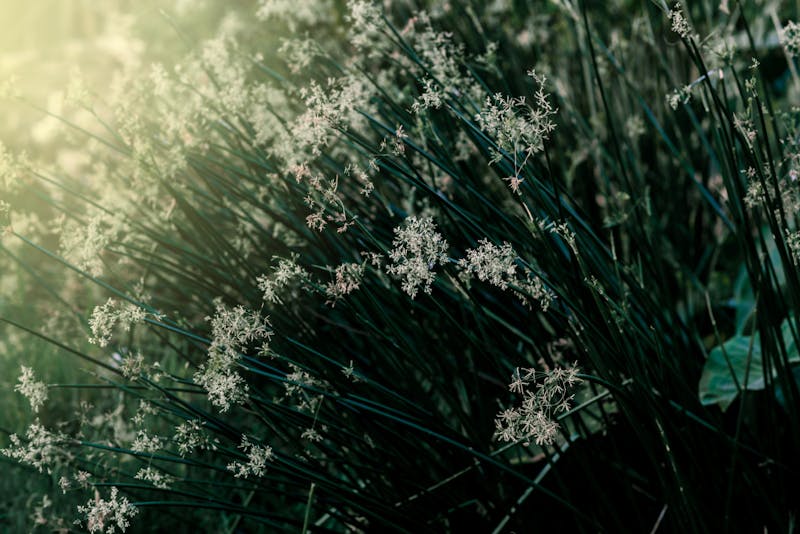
x: 297, y: 286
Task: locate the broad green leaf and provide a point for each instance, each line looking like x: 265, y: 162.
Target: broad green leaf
x: 727, y: 367
x: 717, y: 384
x: 743, y: 300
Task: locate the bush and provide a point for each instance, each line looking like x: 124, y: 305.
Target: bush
x: 439, y: 267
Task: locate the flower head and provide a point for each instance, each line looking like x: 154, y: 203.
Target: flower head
x: 418, y: 249
x: 110, y: 515
x: 35, y: 391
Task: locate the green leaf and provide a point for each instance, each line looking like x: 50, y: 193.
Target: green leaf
x: 727, y: 366
x: 729, y: 360
x: 743, y: 300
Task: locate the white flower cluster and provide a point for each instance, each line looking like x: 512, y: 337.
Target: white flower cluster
x: 157, y: 478
x: 145, y: 409
x: 298, y: 54
x: 790, y: 37
x: 111, y: 314
x: 497, y: 265
x: 225, y: 388
x: 296, y: 385
x: 79, y: 480
x: 680, y: 24
x: 364, y: 18
x: 329, y: 108
x: 232, y: 330
x: 534, y: 286
x: 308, y: 13
x: 145, y: 443
x: 417, y: 249
x: 285, y: 274
x: 191, y: 436
x: 133, y: 365
x: 395, y: 142
x: 544, y: 394
x: 12, y: 169
x: 82, y: 245
x: 442, y: 58
x: 257, y: 458
x: 793, y: 242
x: 311, y: 434
x: 517, y: 127
x: 41, y: 449
x: 348, y: 279
x: 110, y: 515
x: 33, y: 390
x: 679, y: 96
x: 490, y: 263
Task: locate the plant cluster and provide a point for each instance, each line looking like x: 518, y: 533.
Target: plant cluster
x: 297, y: 282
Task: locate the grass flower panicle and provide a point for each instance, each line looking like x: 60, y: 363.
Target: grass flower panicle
x: 146, y: 443
x: 32, y: 389
x: 790, y: 37
x: 680, y: 24
x: 416, y: 251
x: 110, y: 315
x: 257, y: 458
x: 544, y: 395
x: 490, y: 263
x: 518, y: 128
x: 41, y: 448
x: 157, y: 478
x: 108, y: 515
x: 192, y: 436
x: 287, y: 273
x: 13, y: 168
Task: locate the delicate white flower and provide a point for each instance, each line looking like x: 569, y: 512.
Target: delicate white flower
x: 35, y: 391
x: 310, y: 434
x: 224, y: 386
x: 296, y: 384
x: 417, y: 249
x: 680, y: 24
x: 490, y: 263
x: 518, y: 129
x: 790, y: 37
x: 191, y: 436
x: 542, y: 400
x: 348, y: 278
x: 109, y: 315
x: 287, y: 272
x: 257, y: 458
x: 364, y: 18
x: 82, y: 245
x: 432, y: 97
x: 534, y: 286
x: 41, y: 448
x: 233, y: 329
x: 12, y: 170
x: 350, y: 372
x: 156, y: 478
x: 145, y: 443
x: 82, y: 479
x: 133, y: 365
x: 107, y: 516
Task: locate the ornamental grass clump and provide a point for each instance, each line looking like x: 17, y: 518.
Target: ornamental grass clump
x: 284, y: 283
